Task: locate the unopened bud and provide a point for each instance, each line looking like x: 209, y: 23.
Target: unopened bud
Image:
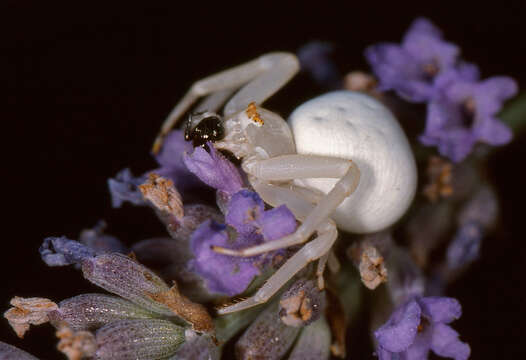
x: 266, y: 338
x: 151, y: 339
x: 91, y: 311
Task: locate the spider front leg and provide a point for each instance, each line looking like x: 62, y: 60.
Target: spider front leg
x: 315, y: 249
x: 287, y: 167
x: 258, y: 79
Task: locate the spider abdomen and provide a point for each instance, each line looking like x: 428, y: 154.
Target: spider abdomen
x: 357, y: 127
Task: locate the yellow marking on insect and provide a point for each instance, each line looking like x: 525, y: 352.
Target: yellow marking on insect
x: 253, y: 115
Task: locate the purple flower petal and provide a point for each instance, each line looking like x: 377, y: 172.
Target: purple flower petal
x: 277, y: 223
x: 493, y: 132
x: 462, y: 112
x: 440, y: 309
x: 411, y: 68
x: 172, y: 165
x: 214, y: 169
x: 174, y: 146
x: 124, y: 187
x: 492, y: 92
x: 61, y: 251
x: 422, y: 25
x: 445, y: 343
x: 244, y: 208
x: 399, y: 332
x: 419, y: 350
x: 223, y: 274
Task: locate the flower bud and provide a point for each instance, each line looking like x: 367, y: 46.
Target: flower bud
x: 148, y: 339
x: 91, y: 311
x: 125, y: 277
x: 197, y: 347
x: 9, y: 352
x: 266, y: 338
x: 313, y: 343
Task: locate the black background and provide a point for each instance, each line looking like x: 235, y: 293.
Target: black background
x: 89, y: 85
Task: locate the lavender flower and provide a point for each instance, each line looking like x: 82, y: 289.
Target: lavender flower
x: 246, y: 214
x: 411, y: 68
x: 124, y: 187
x: 61, y: 251
x: 222, y: 273
x: 420, y: 325
x: 214, y: 169
x: 463, y: 112
x: 172, y: 165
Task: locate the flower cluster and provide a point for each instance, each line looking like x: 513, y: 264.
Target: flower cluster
x: 461, y: 109
x: 162, y: 290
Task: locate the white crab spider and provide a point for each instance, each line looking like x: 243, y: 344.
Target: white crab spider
x: 344, y: 143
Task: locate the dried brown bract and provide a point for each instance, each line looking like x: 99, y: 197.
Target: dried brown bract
x: 194, y: 313
x: 28, y: 311
x: 301, y: 304
x: 76, y: 345
x: 372, y: 267
x: 439, y: 174
x: 163, y: 195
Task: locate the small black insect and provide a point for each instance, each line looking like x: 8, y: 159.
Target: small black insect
x: 209, y: 127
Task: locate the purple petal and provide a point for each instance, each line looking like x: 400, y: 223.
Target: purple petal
x: 174, y: 146
x: 423, y: 25
x: 386, y: 355
x: 411, y: 69
x: 398, y: 70
x: 244, y: 209
x: 419, y: 350
x: 172, y: 165
x: 431, y: 50
x: 124, y: 187
x: 61, y: 251
x: 492, y: 92
x: 399, y: 332
x: 493, y: 132
x: 223, y: 274
x: 214, y: 169
x: 440, y: 309
x: 445, y: 343
x: 277, y: 223
x: 444, y: 129
x: 465, y: 246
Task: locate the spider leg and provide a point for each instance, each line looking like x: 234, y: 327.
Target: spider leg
x: 320, y: 269
x: 261, y: 77
x: 288, y: 167
x: 313, y: 250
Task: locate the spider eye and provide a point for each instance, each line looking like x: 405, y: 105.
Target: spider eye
x: 209, y: 128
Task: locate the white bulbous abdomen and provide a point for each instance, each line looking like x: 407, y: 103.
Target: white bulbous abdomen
x: 357, y: 127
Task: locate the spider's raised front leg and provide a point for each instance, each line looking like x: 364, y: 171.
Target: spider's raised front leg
x: 315, y: 249
x: 258, y: 79
x: 288, y: 167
